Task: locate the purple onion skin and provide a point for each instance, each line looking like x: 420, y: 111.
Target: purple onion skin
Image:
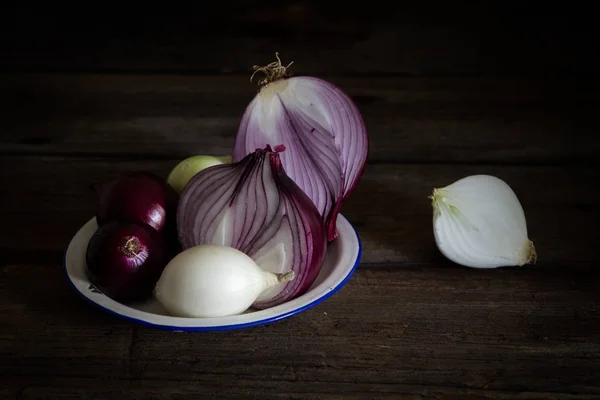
x: 137, y: 197
x: 125, y: 260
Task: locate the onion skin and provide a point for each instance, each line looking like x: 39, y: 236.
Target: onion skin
x: 124, y: 260
x: 137, y: 197
x: 254, y: 207
x: 323, y: 131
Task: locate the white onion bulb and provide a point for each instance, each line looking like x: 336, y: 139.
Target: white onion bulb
x: 479, y: 222
x: 213, y: 281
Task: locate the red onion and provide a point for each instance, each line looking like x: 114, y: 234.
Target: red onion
x: 322, y: 129
x: 137, y: 197
x: 254, y: 207
x: 125, y: 260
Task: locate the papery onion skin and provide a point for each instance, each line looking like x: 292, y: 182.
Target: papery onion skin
x: 136, y: 197
x: 124, y: 260
x: 252, y: 206
x: 323, y: 131
x: 479, y: 223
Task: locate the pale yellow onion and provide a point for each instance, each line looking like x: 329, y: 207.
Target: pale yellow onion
x: 479, y: 222
x: 186, y: 169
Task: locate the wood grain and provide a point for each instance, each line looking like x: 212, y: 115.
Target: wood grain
x: 428, y: 333
x: 37, y: 304
x: 333, y: 37
x: 505, y: 121
x: 46, y: 199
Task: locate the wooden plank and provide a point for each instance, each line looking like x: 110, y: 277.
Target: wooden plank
x: 45, y: 328
x: 424, y: 326
x: 244, y: 389
x: 492, y: 38
x: 429, y: 332
x: 409, y: 120
x: 46, y: 200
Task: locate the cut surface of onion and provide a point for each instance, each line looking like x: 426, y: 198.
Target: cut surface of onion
x: 479, y: 222
x: 322, y: 129
x: 253, y: 206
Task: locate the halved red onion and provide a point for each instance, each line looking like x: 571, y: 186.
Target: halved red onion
x: 253, y: 206
x: 322, y: 129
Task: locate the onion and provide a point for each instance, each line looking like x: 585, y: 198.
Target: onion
x: 125, y: 259
x: 183, y: 172
x: 136, y: 197
x: 213, y: 281
x: 254, y: 207
x: 478, y: 222
x: 322, y: 129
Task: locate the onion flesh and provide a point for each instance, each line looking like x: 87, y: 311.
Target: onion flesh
x: 322, y: 129
x: 254, y: 207
x: 478, y: 222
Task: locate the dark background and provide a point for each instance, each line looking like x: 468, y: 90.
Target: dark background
x: 429, y: 38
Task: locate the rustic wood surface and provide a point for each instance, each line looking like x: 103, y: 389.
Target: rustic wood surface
x: 390, y: 209
x: 409, y: 324
x: 333, y: 37
x: 456, y: 120
x: 433, y: 332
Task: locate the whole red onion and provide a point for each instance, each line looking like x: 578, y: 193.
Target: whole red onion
x: 125, y: 260
x: 136, y: 197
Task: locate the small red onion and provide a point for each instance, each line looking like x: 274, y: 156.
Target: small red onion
x: 125, y: 260
x: 137, y: 197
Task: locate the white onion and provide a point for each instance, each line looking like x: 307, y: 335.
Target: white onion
x: 213, y: 281
x: 479, y: 222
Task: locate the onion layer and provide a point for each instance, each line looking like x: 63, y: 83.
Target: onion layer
x: 253, y: 206
x: 322, y: 129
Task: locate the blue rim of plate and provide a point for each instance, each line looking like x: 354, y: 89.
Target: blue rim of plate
x: 260, y: 322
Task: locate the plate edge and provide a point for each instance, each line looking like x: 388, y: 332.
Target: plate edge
x: 262, y: 322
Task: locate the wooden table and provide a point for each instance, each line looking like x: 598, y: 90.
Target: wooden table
x: 408, y: 325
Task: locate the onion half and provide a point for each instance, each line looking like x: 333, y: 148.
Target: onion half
x: 253, y: 206
x: 322, y: 129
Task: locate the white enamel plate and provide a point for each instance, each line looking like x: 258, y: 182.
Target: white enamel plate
x: 343, y: 256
